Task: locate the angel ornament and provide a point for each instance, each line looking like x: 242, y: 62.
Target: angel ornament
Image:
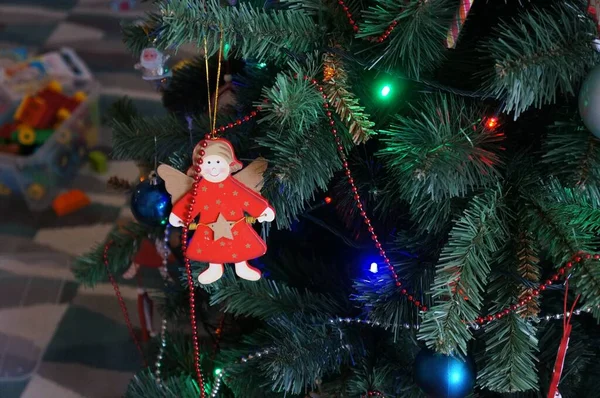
x: 223, y: 202
x: 152, y: 64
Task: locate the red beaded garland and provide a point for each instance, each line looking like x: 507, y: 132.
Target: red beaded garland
x: 373, y: 394
x: 188, y: 219
x: 356, y: 28
x: 356, y: 195
x: 542, y: 287
x: 115, y: 286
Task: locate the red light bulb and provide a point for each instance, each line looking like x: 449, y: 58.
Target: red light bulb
x: 327, y: 200
x: 492, y: 123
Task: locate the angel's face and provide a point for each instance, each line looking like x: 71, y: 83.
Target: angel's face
x: 214, y: 168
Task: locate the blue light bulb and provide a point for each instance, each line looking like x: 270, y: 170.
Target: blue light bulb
x: 374, y: 268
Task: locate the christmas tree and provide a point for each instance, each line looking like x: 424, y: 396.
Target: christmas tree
x: 434, y: 172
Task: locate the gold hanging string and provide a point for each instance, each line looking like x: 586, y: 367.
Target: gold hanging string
x: 207, y: 81
x: 214, y: 119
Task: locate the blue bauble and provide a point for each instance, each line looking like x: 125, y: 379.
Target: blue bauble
x: 443, y: 376
x: 151, y: 203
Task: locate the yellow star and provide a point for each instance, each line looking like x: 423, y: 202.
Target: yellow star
x: 221, y: 185
x: 205, y: 207
x: 218, y: 201
x: 232, y: 213
x: 248, y: 245
x: 204, y: 189
x: 198, y: 251
x: 234, y: 255
x: 235, y: 193
x: 235, y: 233
x: 205, y: 232
x: 221, y: 228
x: 246, y: 204
x: 222, y: 243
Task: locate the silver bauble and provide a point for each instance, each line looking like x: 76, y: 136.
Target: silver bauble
x: 589, y: 101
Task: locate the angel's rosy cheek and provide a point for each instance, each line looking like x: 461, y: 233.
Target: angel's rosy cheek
x: 224, y: 169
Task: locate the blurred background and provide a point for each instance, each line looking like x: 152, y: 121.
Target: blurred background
x: 57, y: 338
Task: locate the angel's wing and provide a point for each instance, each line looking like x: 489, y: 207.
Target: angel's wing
x: 252, y: 175
x: 177, y: 183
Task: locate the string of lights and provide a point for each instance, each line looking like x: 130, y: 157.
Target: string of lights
x: 562, y: 272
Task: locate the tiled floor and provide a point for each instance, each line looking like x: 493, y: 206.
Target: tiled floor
x: 57, y: 338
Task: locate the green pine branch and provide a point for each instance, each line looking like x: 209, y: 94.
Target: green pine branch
x: 539, y: 55
x: 301, y: 349
x: 585, y: 278
x: 462, y: 272
x: 143, y: 138
x: 298, y: 143
x: 510, y: 342
x: 267, y: 298
x: 293, y: 102
x: 143, y: 385
x: 344, y: 101
x: 578, y: 207
x: 246, y: 381
x: 138, y: 36
x: 528, y: 268
x: 416, y: 45
x: 572, y: 153
x: 386, y: 366
x: 89, y: 269
x: 368, y: 178
x: 429, y: 216
x: 564, y: 220
x: 440, y: 151
x: 510, y: 360
x: 122, y: 110
x: 251, y: 32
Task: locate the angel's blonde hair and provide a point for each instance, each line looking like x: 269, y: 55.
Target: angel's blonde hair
x: 223, y: 148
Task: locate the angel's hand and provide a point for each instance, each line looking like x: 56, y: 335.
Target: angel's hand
x: 175, y: 221
x: 267, y: 215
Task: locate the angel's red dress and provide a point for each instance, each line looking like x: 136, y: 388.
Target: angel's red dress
x: 233, y: 200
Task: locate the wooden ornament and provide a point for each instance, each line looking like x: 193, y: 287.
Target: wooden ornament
x: 178, y: 183
x: 225, y: 205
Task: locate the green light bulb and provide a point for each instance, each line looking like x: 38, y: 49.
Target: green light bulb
x: 385, y: 91
x: 218, y: 371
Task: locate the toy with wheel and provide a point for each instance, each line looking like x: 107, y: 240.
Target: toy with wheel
x: 52, y: 129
